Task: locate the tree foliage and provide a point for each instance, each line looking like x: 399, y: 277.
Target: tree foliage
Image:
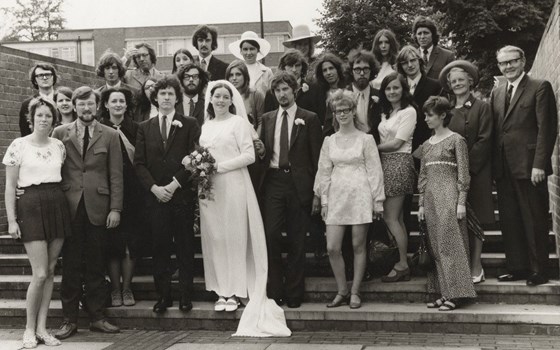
x: 347, y: 24
x: 34, y: 20
x: 479, y: 28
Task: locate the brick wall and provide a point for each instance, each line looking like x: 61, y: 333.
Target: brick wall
x: 16, y: 87
x: 547, y: 66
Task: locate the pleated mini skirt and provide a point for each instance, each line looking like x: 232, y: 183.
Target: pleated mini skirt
x: 43, y: 213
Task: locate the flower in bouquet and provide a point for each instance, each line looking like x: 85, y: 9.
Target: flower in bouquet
x: 202, y: 166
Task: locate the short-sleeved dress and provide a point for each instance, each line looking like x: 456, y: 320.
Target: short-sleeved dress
x: 42, y: 210
x: 443, y: 184
x: 398, y: 166
x: 350, y: 180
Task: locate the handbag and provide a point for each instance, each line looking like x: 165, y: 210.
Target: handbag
x: 422, y: 257
x: 382, y: 255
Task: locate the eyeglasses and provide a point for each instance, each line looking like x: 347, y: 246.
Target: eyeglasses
x: 44, y: 76
x: 364, y: 70
x: 510, y: 62
x: 342, y: 111
x: 193, y: 77
x: 409, y: 62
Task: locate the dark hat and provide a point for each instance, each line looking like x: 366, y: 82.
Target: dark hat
x: 465, y: 65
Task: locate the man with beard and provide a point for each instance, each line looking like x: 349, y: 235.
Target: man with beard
x: 144, y: 57
x: 93, y: 183
x: 193, y: 79
x: 292, y: 138
x: 205, y: 39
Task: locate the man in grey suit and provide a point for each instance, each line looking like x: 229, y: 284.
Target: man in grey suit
x: 93, y: 183
x: 427, y: 37
x: 525, y: 130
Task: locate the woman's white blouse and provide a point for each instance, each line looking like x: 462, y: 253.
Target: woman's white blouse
x: 399, y: 126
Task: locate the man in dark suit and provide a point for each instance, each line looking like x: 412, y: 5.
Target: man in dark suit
x: 427, y: 37
x: 93, y: 183
x: 292, y: 139
x: 410, y: 64
x: 193, y: 79
x: 205, y: 39
x: 161, y: 144
x: 525, y: 130
x: 43, y: 78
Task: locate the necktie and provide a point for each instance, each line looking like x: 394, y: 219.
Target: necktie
x: 191, y: 108
x: 203, y: 64
x: 425, y: 56
x: 361, y: 107
x: 86, y: 142
x: 164, y: 128
x: 412, y: 88
x: 283, y: 162
x: 508, y: 96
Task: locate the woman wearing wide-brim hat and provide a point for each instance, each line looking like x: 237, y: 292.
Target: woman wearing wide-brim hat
x: 251, y: 49
x: 472, y: 119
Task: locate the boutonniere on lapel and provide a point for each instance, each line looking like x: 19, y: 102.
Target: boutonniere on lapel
x: 375, y: 99
x: 177, y: 124
x: 468, y: 104
x: 304, y: 87
x: 299, y: 121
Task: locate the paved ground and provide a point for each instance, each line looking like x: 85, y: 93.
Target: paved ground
x: 212, y: 340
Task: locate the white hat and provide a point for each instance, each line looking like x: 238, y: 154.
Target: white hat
x: 235, y: 47
x: 301, y: 32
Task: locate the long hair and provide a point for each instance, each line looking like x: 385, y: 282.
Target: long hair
x: 336, y: 62
x: 292, y: 57
x: 107, y: 60
x: 393, y: 46
x: 239, y: 64
x: 66, y: 91
x: 210, y: 110
x: 406, y: 98
x: 106, y: 94
x: 144, y: 102
x: 183, y: 51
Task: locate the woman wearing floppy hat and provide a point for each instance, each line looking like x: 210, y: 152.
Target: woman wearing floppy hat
x: 472, y: 119
x: 251, y: 49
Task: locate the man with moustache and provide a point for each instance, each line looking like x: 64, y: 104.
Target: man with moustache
x: 525, y: 131
x: 161, y: 144
x: 93, y: 183
x: 144, y: 57
x: 193, y: 79
x: 427, y: 37
x: 205, y: 40
x: 292, y: 138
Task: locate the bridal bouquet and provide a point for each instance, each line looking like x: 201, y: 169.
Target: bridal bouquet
x: 202, y: 165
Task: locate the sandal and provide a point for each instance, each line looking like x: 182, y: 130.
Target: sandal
x: 356, y: 304
x: 29, y: 339
x: 449, y: 305
x: 438, y: 303
x: 48, y: 339
x: 339, y: 299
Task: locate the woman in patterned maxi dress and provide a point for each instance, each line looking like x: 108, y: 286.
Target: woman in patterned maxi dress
x: 443, y: 185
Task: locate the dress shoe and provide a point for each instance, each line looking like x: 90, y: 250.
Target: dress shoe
x: 510, y: 277
x: 479, y: 278
x: 535, y: 279
x: 339, y: 299
x: 357, y: 303
x: 185, y: 304
x: 293, y: 303
x: 400, y: 275
x: 66, y: 330
x: 162, y: 305
x: 103, y: 326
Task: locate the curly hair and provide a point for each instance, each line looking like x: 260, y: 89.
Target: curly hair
x: 168, y: 81
x: 107, y: 60
x: 202, y: 75
x: 366, y: 57
x: 336, y: 62
x: 292, y: 57
x: 425, y: 22
x: 202, y: 32
x: 128, y: 96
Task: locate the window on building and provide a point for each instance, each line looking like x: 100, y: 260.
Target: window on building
x: 55, y: 53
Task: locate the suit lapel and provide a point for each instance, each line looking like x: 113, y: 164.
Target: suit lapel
x: 97, y: 132
x: 433, y: 58
x: 270, y: 128
x: 155, y: 132
x: 515, y: 98
x: 73, y: 136
x: 295, y: 129
x: 172, y: 132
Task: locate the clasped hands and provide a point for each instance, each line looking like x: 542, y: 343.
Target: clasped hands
x: 165, y: 193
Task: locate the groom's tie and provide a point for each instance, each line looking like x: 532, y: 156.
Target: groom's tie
x: 164, y: 128
x: 283, y: 162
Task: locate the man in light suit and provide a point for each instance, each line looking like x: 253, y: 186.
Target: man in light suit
x: 194, y: 80
x: 292, y: 139
x: 161, y: 144
x: 205, y: 39
x: 525, y: 130
x: 144, y: 57
x: 93, y: 183
x: 427, y: 37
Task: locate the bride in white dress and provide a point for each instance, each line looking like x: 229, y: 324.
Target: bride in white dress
x: 233, y: 239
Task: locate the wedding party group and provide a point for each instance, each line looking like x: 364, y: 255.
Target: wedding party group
x: 254, y: 159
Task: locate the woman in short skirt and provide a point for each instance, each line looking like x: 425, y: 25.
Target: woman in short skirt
x: 40, y: 217
x: 398, y: 120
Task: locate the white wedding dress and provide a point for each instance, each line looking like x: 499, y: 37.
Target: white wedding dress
x: 232, y: 231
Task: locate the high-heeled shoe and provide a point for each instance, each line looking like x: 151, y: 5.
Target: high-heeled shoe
x: 479, y: 278
x: 339, y: 300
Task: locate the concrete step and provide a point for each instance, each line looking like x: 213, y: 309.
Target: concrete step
x: 476, y: 318
x: 323, y: 290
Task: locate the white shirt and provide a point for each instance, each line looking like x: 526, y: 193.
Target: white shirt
x: 413, y: 83
x: 515, y: 85
x: 430, y: 49
x: 362, y: 107
x: 277, y: 129
x: 186, y: 103
x: 400, y: 126
x: 168, y: 121
x: 117, y: 85
x: 206, y: 60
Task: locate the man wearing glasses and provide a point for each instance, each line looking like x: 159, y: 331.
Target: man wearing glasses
x: 193, y: 80
x: 43, y: 77
x: 525, y: 130
x: 144, y: 57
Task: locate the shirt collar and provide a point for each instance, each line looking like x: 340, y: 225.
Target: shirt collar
x: 170, y: 116
x: 81, y: 127
x: 365, y: 91
x: 206, y: 59
x: 516, y: 82
x: 291, y: 111
x: 414, y: 81
x: 188, y: 99
x: 117, y: 85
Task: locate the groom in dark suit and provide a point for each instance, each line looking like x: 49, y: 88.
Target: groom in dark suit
x: 525, y: 130
x: 292, y: 138
x: 161, y: 144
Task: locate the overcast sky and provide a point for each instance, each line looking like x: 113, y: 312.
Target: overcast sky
x: 133, y: 13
